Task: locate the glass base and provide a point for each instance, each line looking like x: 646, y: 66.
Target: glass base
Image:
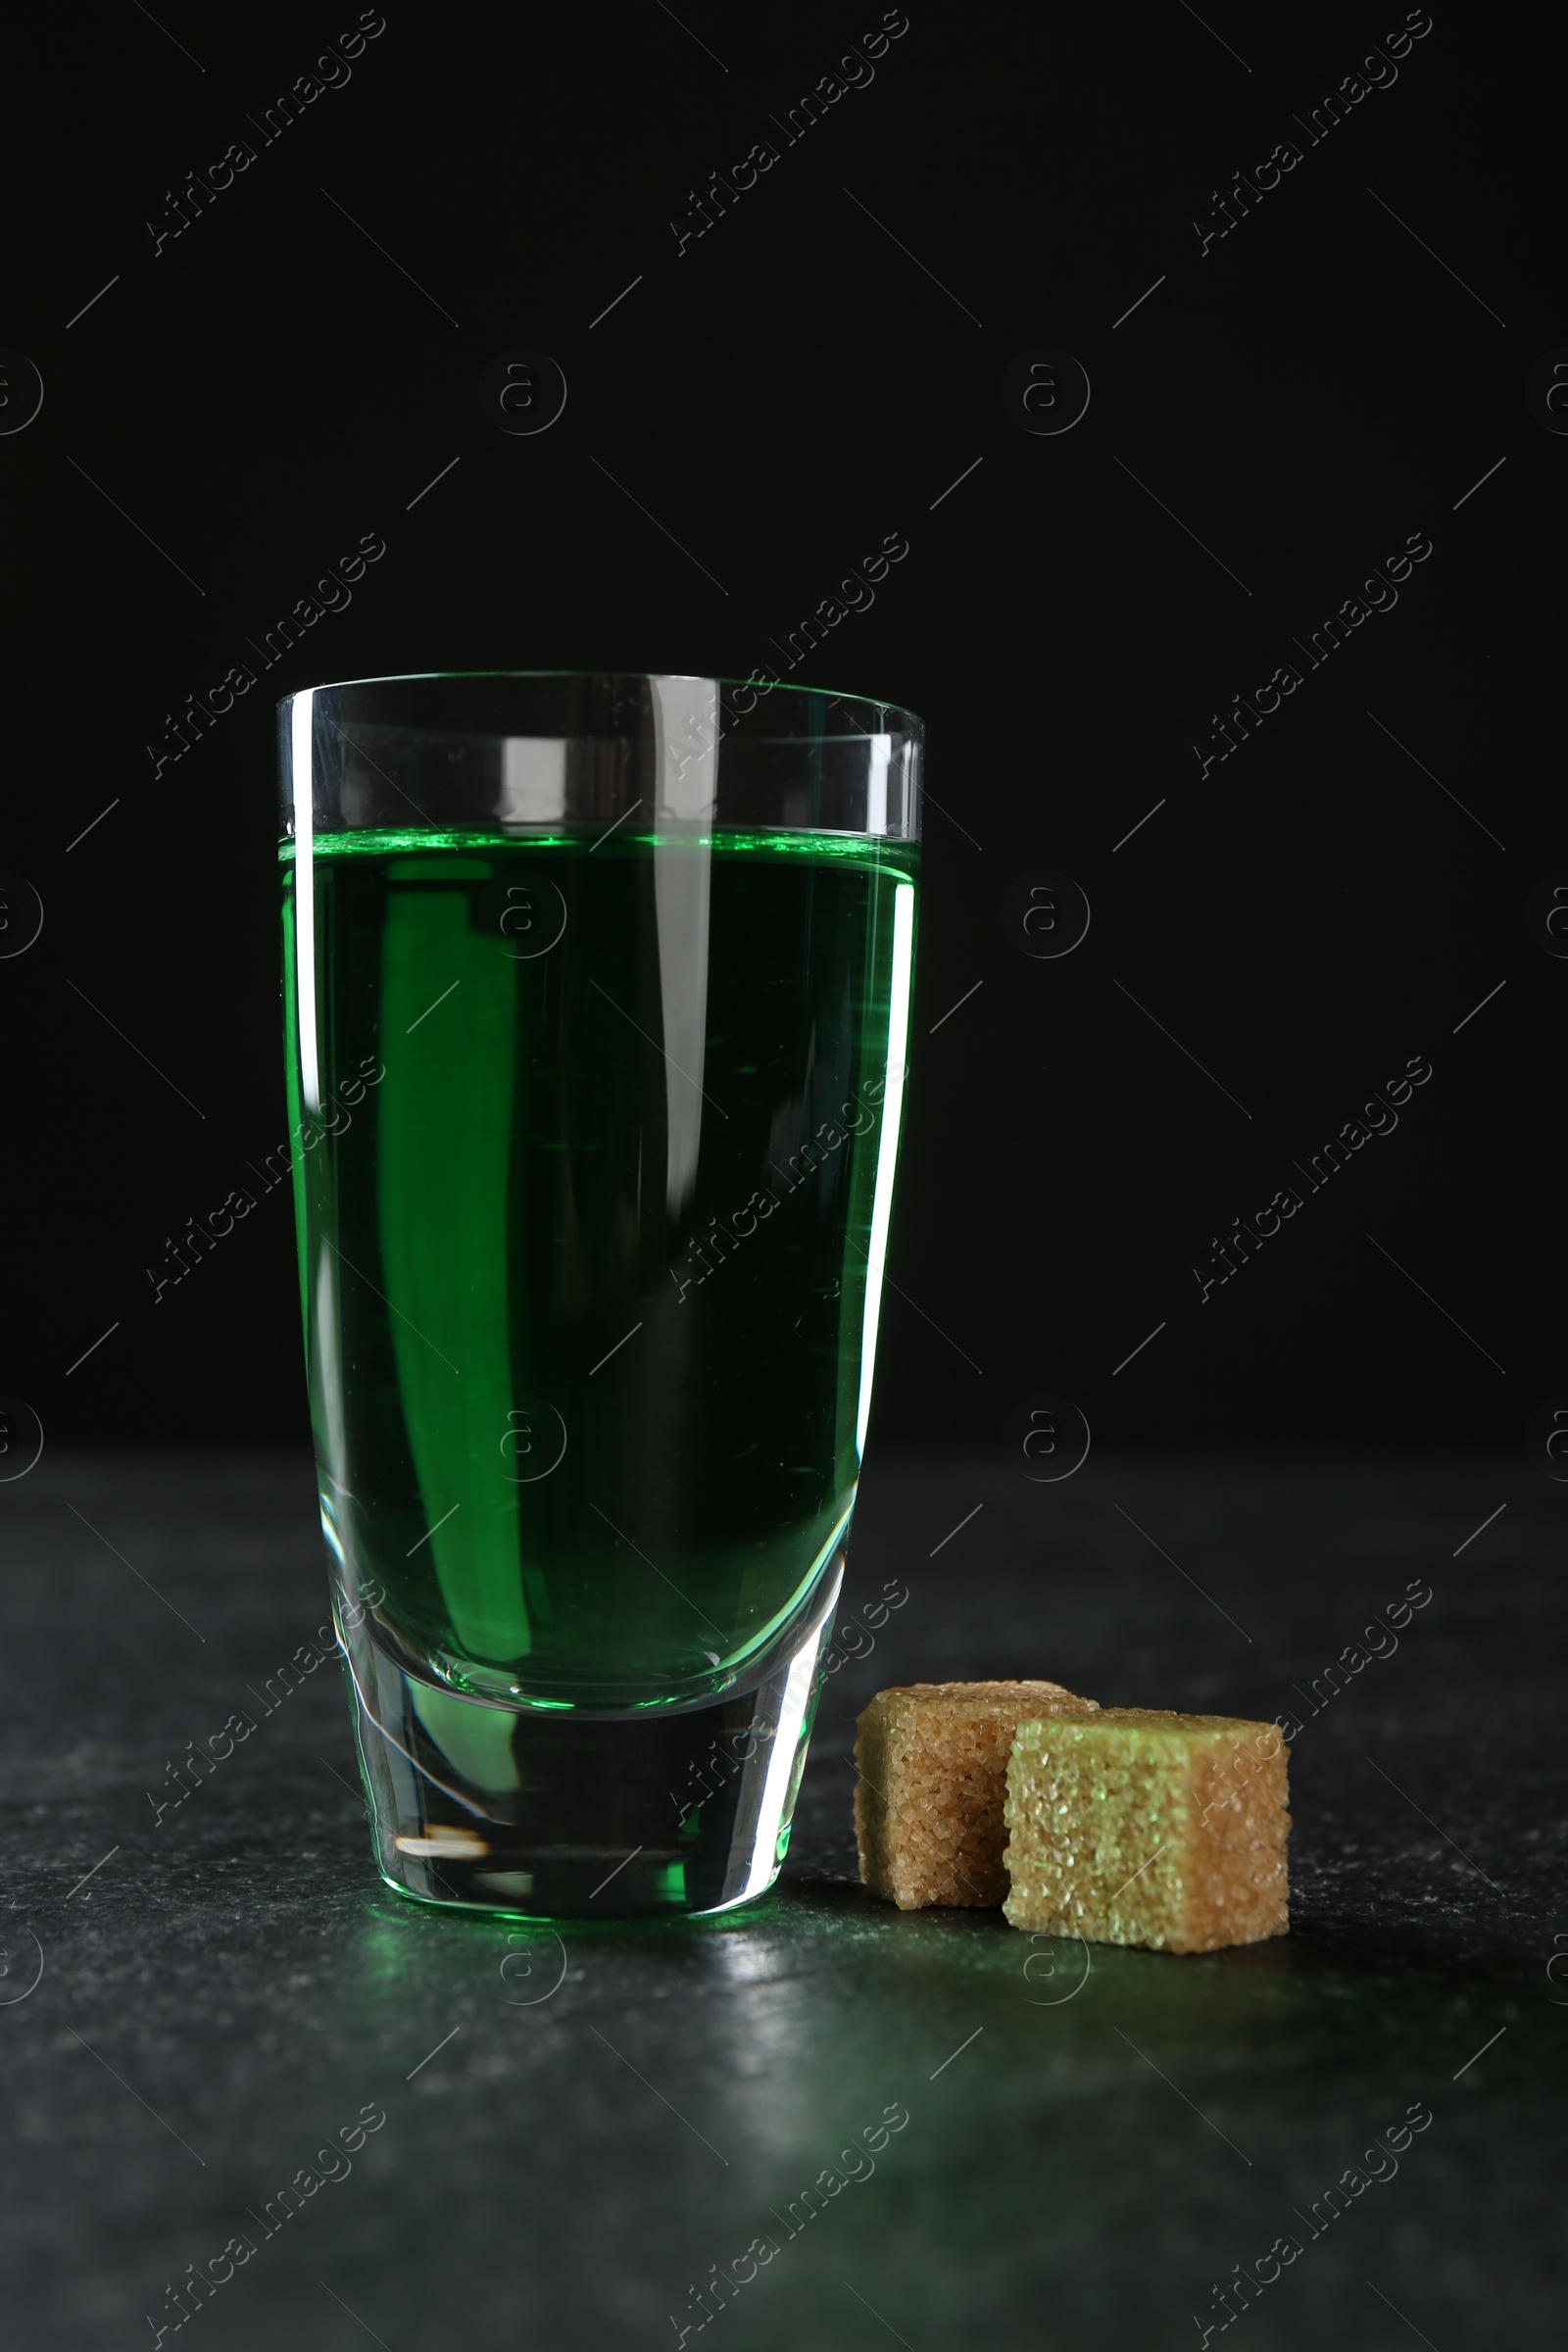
x: 570, y: 1815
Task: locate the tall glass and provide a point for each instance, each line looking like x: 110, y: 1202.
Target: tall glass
x: 597, y: 1000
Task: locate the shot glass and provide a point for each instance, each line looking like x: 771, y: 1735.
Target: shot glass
x: 596, y: 1001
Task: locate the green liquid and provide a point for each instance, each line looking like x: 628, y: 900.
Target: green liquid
x: 591, y: 1213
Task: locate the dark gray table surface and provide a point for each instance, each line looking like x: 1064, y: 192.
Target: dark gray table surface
x: 577, y: 2131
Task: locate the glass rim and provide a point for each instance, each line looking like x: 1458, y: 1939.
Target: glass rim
x: 549, y: 832
x: 910, y: 721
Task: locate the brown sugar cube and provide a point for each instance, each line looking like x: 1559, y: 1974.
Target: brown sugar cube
x: 1140, y: 1825
x: 932, y: 1760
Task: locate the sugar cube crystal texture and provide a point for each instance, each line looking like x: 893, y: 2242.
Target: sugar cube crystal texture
x: 932, y: 1766
x: 1137, y: 1824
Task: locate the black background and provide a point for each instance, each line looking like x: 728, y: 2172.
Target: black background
x: 792, y: 386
